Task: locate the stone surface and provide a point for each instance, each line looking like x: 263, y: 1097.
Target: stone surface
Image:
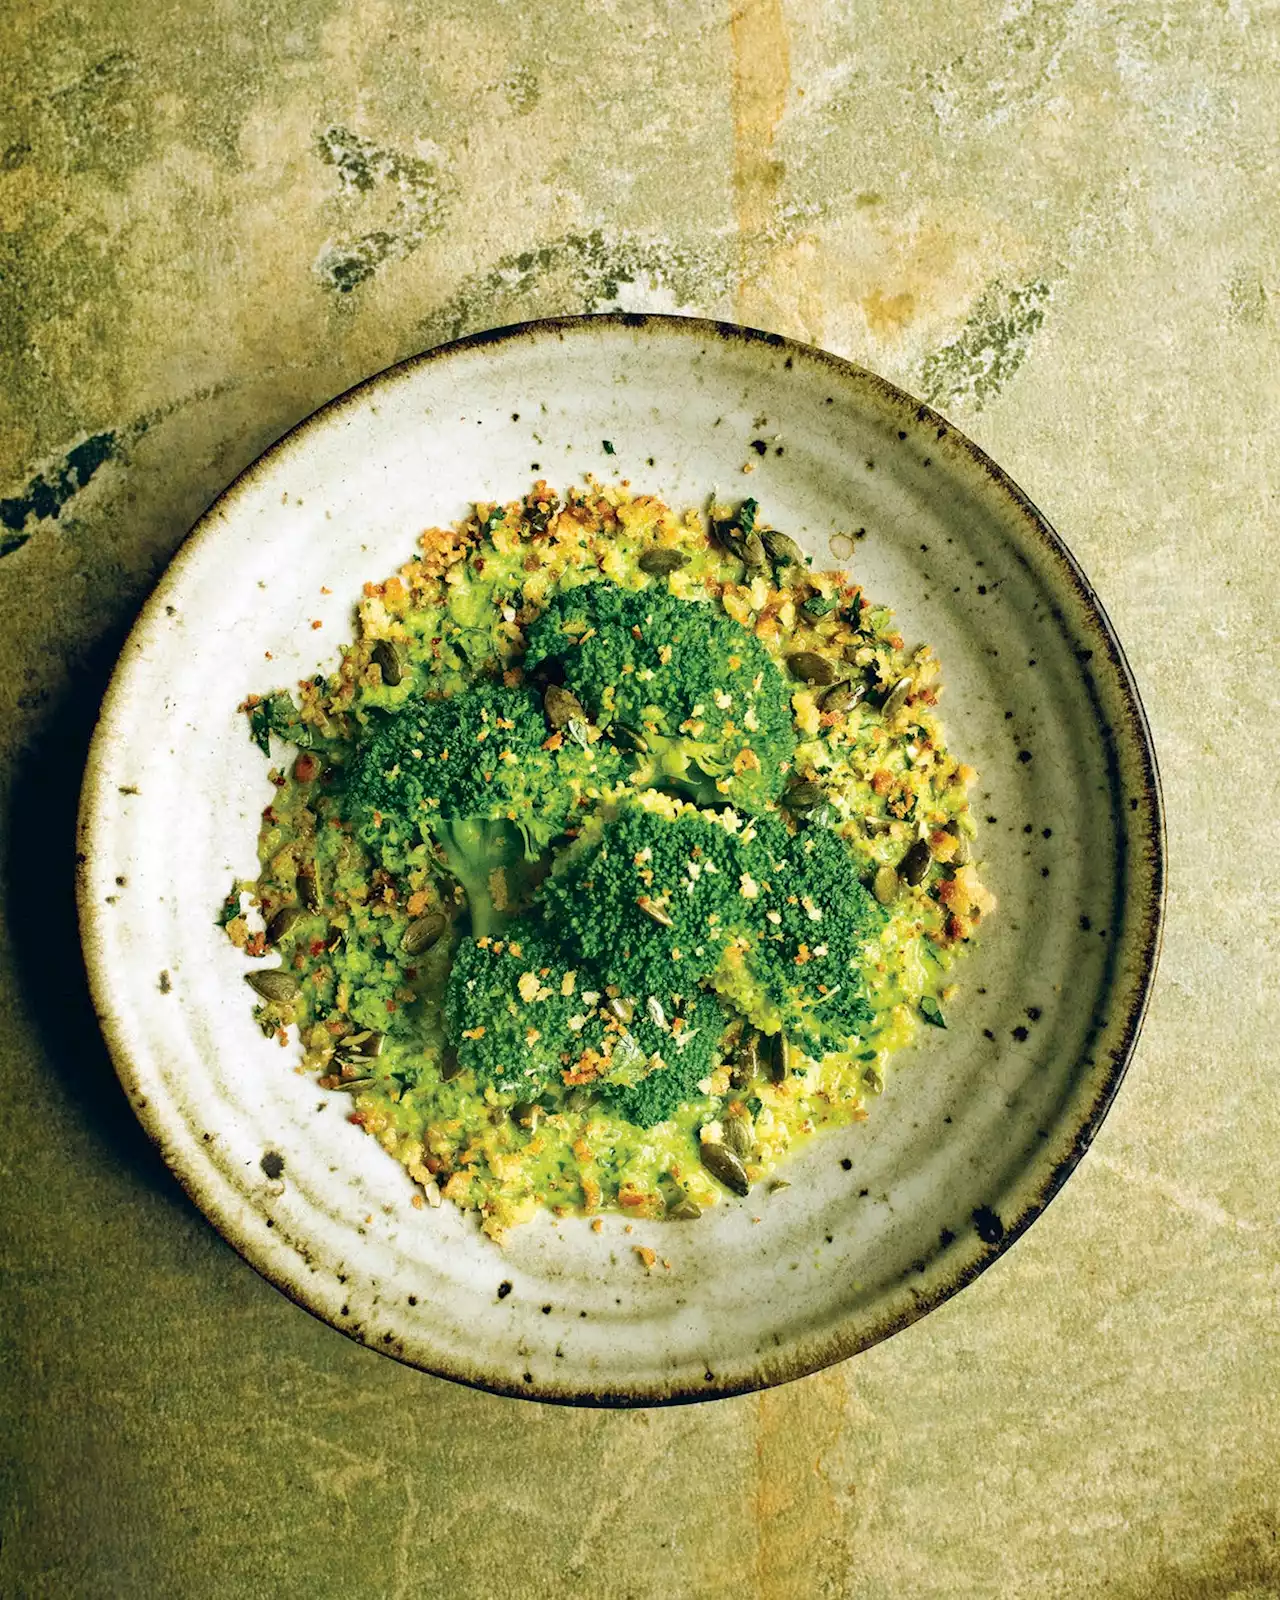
x: 1056, y: 222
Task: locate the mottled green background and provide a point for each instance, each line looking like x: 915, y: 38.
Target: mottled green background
x: 1056, y: 220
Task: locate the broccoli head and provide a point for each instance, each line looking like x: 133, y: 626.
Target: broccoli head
x: 804, y: 975
x: 508, y: 1008
x: 524, y: 1021
x: 655, y: 1068
x: 648, y: 895
x: 472, y: 774
x: 703, y: 705
x: 665, y: 897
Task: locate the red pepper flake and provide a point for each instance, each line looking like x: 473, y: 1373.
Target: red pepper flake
x: 268, y: 814
x: 306, y: 767
x: 391, y: 1006
x: 317, y: 623
x: 317, y: 947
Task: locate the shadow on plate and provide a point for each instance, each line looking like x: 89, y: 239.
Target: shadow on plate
x: 41, y: 911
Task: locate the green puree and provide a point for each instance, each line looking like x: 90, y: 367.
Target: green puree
x: 615, y: 858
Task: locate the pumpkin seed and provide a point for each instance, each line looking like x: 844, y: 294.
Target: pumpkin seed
x: 387, y: 659
x: 352, y: 1085
x: 422, y: 933
x: 661, y: 560
x: 526, y: 1114
x: 622, y: 1009
x: 962, y: 855
x: 896, y: 699
x: 915, y: 863
x: 627, y: 739
x: 783, y: 552
x: 724, y: 1166
x: 686, y: 1209
x: 367, y: 1045
x: 753, y: 556
x: 842, y: 696
x: 775, y: 1184
x: 874, y: 1079
x: 279, y: 926
x: 730, y: 537
x: 776, y: 1051
x: 746, y: 1060
x: 804, y: 797
x: 656, y: 912
x: 450, y: 1066
x: 275, y: 985
x: 308, y: 886
x: 739, y: 1136
x: 562, y: 706
x: 810, y: 667
x: 885, y: 886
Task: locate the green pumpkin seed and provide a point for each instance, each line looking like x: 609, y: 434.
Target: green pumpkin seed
x: 885, y: 886
x: 627, y: 739
x: 777, y: 1056
x: 915, y: 863
x: 450, y: 1066
x: 896, y: 699
x: 661, y: 560
x: 308, y: 886
x: 275, y: 985
x: 962, y: 855
x: 810, y: 667
x: 386, y: 658
x: 725, y: 1167
x: 526, y: 1114
x: 739, y: 1136
x: 782, y: 551
x: 367, y: 1045
x: 842, y: 696
x: 622, y: 1010
x: 353, y: 1085
x: 746, y: 1060
x: 686, y: 1209
x: 422, y: 933
x: 562, y: 706
x: 656, y: 912
x: 281, y: 924
x: 804, y: 797
x: 753, y: 556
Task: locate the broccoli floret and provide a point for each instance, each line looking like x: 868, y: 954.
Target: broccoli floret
x: 647, y: 896
x: 524, y: 1021
x: 649, y: 1082
x: 506, y: 1012
x: 470, y: 773
x: 805, y: 976
x: 667, y: 897
x: 709, y: 706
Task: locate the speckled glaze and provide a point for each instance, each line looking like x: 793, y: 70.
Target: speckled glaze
x: 980, y: 1124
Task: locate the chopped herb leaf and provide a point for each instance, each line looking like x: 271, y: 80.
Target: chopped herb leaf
x: 230, y: 907
x: 746, y: 518
x: 818, y: 605
x: 608, y: 447
x: 277, y: 714
x: 932, y: 1012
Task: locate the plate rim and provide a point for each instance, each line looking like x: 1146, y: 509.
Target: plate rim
x: 1141, y: 954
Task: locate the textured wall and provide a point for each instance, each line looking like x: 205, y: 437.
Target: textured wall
x: 1058, y: 222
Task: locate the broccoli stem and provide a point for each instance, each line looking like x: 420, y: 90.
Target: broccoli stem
x: 474, y: 849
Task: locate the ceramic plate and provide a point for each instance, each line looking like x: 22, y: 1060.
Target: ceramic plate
x: 979, y: 1126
